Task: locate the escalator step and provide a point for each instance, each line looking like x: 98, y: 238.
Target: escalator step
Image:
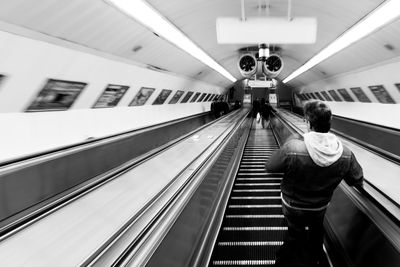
x: 249, y: 250
x: 258, y: 184
x: 241, y: 263
x: 254, y: 210
x: 258, y: 192
x: 244, y: 169
x: 232, y: 236
x: 237, y: 222
x: 259, y: 174
x: 257, y: 200
x: 259, y: 179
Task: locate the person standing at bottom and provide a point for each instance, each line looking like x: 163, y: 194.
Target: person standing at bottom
x: 312, y: 168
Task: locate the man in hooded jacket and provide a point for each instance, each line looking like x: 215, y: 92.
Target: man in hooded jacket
x: 312, y: 169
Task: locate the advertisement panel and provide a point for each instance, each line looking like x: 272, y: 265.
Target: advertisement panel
x: 142, y: 96
x: 56, y: 95
x: 162, y: 97
x: 176, y: 97
x: 111, y: 96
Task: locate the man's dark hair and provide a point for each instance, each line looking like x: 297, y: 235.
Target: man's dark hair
x: 319, y: 115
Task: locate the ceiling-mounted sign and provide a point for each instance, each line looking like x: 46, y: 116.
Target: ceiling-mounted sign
x: 272, y: 30
x: 260, y: 84
x: 57, y: 95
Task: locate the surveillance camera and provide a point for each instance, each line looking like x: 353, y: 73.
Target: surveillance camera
x: 272, y: 66
x: 247, y: 65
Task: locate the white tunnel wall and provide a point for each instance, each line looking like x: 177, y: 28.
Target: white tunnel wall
x: 27, y: 63
x: 385, y: 74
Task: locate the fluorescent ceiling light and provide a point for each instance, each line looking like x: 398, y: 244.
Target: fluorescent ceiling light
x: 145, y: 14
x: 382, y: 15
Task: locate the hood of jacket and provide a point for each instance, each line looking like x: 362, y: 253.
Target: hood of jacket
x: 324, y: 148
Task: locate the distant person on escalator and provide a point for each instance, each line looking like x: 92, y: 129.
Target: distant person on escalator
x: 256, y: 107
x: 265, y: 110
x: 312, y: 169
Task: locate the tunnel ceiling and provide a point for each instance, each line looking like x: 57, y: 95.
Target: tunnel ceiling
x: 96, y: 24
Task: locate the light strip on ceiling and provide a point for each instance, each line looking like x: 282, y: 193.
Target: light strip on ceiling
x: 382, y: 15
x: 145, y: 14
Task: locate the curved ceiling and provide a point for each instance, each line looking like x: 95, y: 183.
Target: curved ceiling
x: 98, y: 25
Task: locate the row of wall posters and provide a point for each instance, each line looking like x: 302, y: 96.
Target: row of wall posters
x: 379, y: 92
x: 60, y: 95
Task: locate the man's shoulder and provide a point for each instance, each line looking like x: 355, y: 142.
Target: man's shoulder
x: 346, y: 151
x: 295, y: 145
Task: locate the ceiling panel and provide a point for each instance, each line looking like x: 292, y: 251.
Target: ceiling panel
x: 96, y: 24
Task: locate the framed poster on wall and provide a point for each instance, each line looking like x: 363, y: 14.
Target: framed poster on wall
x: 142, y: 96
x: 176, y: 97
x: 111, y: 96
x: 202, y: 97
x: 187, y: 97
x: 313, y: 96
x: 398, y: 86
x: 162, y: 97
x: 346, y: 96
x: 359, y: 93
x: 56, y: 95
x: 319, y: 96
x: 334, y: 95
x: 325, y: 94
x: 195, y: 97
x: 381, y: 94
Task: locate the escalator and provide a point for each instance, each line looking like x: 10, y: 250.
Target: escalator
x: 253, y: 227
x: 238, y: 219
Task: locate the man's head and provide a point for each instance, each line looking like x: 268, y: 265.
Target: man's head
x: 319, y: 115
